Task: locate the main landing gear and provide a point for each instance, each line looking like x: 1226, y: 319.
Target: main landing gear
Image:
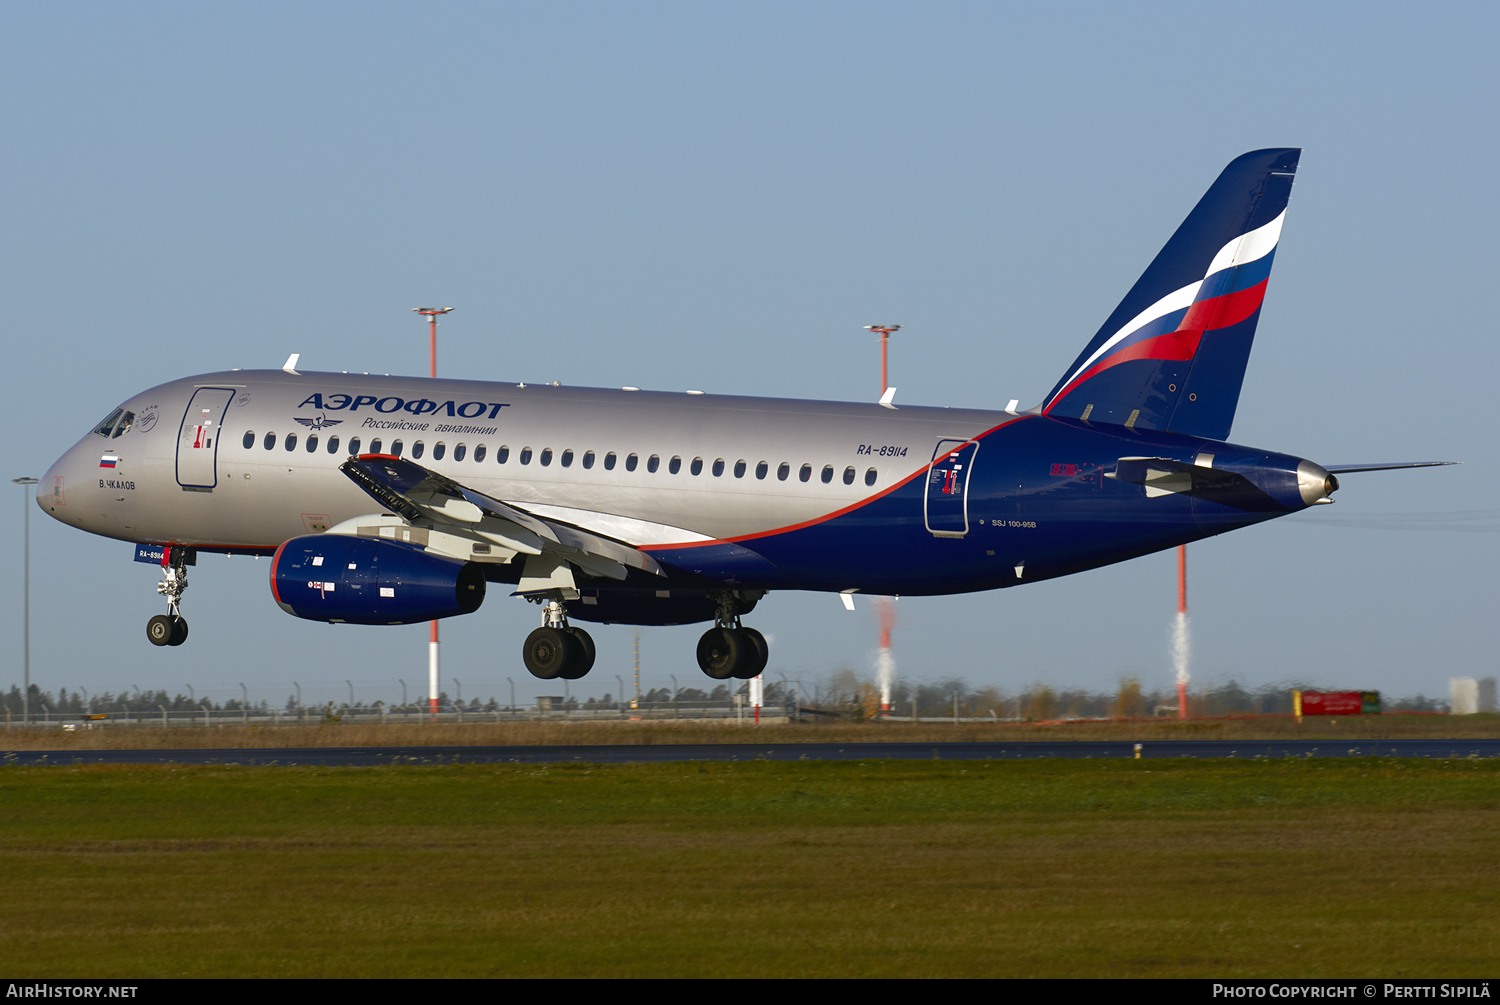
x: 171, y: 629
x: 557, y: 649
x: 729, y: 649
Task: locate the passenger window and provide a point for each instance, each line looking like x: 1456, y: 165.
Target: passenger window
x: 438, y: 450
x: 739, y: 468
x: 805, y: 473
x: 312, y: 443
x: 459, y: 451
x: 375, y: 445
x: 631, y: 462
x: 396, y: 448
x: 782, y: 471
x: 291, y: 441
x: 333, y: 444
x: 588, y: 459
x: 652, y: 463
x: 419, y: 448
x: 761, y: 469
x: 479, y: 453
x: 848, y: 476
x: 249, y: 440
x: 719, y: 467
x: 567, y: 458
x: 104, y: 427
x: 827, y: 473
x: 697, y: 466
x: 870, y: 477
x: 525, y: 455
x: 546, y: 456
x: 502, y: 455
x: 675, y: 465
x: 609, y: 461
x: 354, y: 446
x: 270, y: 441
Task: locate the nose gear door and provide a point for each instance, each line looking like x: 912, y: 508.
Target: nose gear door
x: 198, y: 437
x: 946, y: 503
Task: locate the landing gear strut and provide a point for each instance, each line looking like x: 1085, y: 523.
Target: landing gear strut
x: 557, y: 649
x: 171, y: 629
x: 729, y: 649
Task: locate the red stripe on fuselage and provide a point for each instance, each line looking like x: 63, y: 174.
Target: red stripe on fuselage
x: 827, y: 516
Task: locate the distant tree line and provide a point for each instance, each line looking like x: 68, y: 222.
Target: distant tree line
x: 844, y: 692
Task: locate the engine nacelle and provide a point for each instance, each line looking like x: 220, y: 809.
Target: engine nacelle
x: 371, y: 581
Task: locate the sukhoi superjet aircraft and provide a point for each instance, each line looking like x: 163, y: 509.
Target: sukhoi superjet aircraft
x: 390, y: 500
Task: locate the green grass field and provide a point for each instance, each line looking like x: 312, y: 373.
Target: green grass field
x: 1285, y: 868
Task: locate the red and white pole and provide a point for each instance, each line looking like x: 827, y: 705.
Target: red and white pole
x: 884, y: 331
x: 1181, y: 640
x: 432, y: 644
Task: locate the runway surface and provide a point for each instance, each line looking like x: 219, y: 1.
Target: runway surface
x: 625, y: 753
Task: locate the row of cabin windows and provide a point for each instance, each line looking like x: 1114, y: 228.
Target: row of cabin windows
x: 565, y: 459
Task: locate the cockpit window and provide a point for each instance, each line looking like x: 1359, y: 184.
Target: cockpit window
x: 104, y: 427
x: 124, y: 424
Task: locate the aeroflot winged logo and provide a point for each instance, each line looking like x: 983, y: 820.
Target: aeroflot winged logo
x: 321, y: 422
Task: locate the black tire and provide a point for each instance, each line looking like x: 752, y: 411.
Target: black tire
x: 159, y: 630
x: 720, y: 650
x: 757, y: 653
x: 583, y: 655
x: 179, y: 632
x: 547, y: 653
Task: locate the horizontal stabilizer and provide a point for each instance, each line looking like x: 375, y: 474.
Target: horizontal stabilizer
x: 1349, y: 469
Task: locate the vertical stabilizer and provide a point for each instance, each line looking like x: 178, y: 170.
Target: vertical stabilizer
x: 1172, y: 356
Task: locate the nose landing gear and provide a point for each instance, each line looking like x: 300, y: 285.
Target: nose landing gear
x: 729, y: 649
x: 171, y: 629
x: 557, y: 649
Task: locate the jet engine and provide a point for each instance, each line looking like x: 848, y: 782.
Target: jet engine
x: 371, y: 581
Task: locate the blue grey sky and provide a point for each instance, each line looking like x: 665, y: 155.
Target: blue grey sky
x: 720, y: 196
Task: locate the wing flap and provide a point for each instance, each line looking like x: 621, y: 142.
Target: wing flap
x: 415, y: 492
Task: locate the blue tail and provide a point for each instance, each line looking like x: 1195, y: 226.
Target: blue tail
x: 1172, y: 356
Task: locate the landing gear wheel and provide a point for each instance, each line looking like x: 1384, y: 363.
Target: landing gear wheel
x: 179, y: 631
x: 757, y: 653
x: 548, y: 652
x: 583, y: 654
x: 159, y: 631
x: 720, y: 650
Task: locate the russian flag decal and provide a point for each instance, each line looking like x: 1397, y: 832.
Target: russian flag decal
x: 108, y: 461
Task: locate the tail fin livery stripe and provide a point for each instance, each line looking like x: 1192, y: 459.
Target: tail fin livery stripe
x: 1186, y: 326
x: 1231, y: 293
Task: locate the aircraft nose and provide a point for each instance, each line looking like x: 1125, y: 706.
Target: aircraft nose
x: 52, y: 489
x: 1315, y: 484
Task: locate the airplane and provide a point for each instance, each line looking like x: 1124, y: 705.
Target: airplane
x: 395, y: 500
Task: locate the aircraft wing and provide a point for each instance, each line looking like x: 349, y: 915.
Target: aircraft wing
x: 415, y: 492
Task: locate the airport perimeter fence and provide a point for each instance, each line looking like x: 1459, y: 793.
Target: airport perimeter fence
x: 387, y: 715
